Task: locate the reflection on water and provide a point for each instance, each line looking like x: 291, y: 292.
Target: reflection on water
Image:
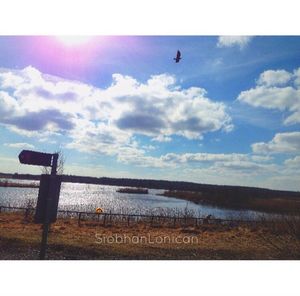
x: 87, y: 197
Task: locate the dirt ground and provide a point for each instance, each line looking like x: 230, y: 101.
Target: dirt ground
x: 20, y: 240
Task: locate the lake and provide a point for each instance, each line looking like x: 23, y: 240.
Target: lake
x: 88, y: 197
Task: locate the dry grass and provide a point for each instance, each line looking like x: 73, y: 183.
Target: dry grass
x: 270, y: 205
x: 19, y: 239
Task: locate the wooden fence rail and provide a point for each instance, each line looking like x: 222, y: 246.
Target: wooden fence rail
x: 108, y: 216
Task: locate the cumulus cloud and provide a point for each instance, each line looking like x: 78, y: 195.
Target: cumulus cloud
x: 272, y: 78
x: 281, y: 143
x: 41, y: 120
x: 143, y: 123
x: 160, y: 108
x: 36, y: 104
x: 229, y: 41
x: 293, y: 162
x: 275, y: 90
x: 8, y: 104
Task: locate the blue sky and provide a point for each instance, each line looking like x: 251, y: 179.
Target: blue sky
x: 228, y: 113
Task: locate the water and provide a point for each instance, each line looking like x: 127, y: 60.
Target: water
x: 86, y: 197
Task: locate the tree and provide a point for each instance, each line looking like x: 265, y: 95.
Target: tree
x: 60, y: 164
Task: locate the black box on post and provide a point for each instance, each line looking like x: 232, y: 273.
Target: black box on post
x: 48, y: 198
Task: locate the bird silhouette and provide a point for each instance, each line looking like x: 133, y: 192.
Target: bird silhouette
x: 178, y: 57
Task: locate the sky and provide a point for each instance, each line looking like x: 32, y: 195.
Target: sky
x: 119, y: 106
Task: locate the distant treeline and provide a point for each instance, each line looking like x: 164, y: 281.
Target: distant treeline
x: 224, y: 192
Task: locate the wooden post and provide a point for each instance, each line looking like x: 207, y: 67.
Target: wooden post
x: 79, y: 218
x: 128, y: 220
x: 26, y: 214
x: 152, y: 220
x: 104, y: 219
x: 45, y: 231
x: 46, y: 224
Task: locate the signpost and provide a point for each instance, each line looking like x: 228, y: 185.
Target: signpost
x: 46, y: 209
x: 48, y: 197
x: 35, y: 158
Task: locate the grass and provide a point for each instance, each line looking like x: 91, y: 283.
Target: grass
x: 269, y: 205
x: 20, y: 239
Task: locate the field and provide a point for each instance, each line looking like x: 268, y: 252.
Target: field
x: 279, y: 205
x: 20, y: 239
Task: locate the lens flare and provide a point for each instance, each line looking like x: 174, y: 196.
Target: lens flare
x: 73, y: 40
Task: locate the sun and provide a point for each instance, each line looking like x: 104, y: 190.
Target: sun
x: 73, y: 40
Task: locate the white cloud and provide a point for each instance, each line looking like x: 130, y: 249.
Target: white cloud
x: 8, y: 105
x: 36, y: 104
x: 272, y: 78
x: 296, y: 75
x: 272, y: 92
x: 261, y: 158
x: 19, y: 145
x: 231, y: 161
x: 203, y: 157
x: 229, y: 41
x: 281, y: 143
x: 138, y: 158
x: 270, y: 97
x: 159, y: 108
x: 226, y: 163
x: 162, y: 138
x: 293, y: 162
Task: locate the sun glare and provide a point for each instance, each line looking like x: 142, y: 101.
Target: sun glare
x: 73, y: 40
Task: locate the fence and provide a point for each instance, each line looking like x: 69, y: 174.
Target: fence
x: 109, y: 218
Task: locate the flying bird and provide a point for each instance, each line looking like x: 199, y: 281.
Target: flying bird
x: 178, y: 57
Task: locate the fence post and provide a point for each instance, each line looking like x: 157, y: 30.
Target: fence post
x: 104, y: 219
x: 79, y: 218
x: 152, y: 220
x: 0, y: 209
x: 128, y: 220
x: 26, y: 214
